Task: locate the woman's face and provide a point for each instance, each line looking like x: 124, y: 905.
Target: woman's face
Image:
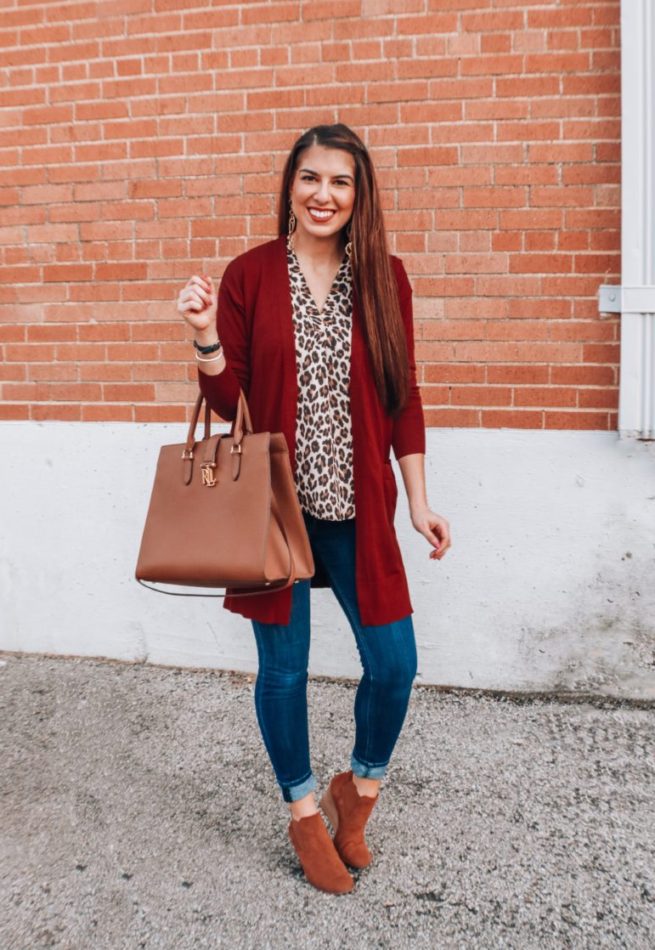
x: 323, y: 191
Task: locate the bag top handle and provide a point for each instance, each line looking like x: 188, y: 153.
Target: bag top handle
x: 243, y: 413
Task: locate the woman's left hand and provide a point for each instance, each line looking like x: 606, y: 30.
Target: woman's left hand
x: 433, y: 527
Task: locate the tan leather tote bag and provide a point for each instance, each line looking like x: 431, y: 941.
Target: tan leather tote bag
x: 224, y: 512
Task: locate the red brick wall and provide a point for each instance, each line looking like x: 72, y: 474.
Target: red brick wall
x: 145, y: 143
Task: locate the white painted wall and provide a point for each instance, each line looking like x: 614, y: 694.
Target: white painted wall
x: 549, y: 583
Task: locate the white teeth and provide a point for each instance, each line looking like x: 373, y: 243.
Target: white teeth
x: 321, y: 214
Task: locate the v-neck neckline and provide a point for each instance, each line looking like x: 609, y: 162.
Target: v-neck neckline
x: 321, y: 311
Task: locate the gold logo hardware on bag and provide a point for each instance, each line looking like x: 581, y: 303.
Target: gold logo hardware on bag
x: 247, y: 534
x: 207, y: 477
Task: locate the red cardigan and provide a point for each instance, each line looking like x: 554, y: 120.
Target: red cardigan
x: 255, y: 325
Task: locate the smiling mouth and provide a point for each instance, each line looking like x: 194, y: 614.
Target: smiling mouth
x: 317, y: 215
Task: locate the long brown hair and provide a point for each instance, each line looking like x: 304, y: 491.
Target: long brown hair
x: 374, y: 282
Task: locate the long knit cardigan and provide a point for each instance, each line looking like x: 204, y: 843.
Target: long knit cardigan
x: 255, y: 325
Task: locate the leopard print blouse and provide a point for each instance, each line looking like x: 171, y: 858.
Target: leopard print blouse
x: 324, y: 444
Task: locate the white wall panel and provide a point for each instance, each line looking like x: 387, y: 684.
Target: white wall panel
x: 548, y: 585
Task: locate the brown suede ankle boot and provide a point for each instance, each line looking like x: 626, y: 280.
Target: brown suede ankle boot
x: 348, y: 812
x: 319, y: 859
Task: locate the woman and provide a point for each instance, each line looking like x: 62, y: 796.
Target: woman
x: 316, y: 327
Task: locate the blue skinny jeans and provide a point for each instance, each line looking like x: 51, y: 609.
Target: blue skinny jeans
x: 389, y: 661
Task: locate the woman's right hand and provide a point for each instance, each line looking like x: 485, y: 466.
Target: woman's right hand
x: 197, y: 302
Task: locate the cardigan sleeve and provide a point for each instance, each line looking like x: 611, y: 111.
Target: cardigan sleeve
x: 222, y: 391
x: 408, y: 432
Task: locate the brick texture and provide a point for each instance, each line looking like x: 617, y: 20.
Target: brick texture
x: 144, y: 143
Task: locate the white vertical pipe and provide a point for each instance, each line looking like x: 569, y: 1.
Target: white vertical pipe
x: 637, y: 380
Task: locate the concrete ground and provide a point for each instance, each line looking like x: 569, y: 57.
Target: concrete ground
x: 138, y: 808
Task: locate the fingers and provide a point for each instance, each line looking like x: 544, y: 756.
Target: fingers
x: 201, y: 284
x: 196, y: 295
x: 433, y: 537
x: 442, y: 532
x: 199, y: 288
x: 443, y: 547
x: 439, y: 552
x: 194, y: 300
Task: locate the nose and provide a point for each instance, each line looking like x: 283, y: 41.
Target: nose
x: 323, y: 193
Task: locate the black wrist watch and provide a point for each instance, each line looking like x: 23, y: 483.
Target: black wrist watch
x: 208, y: 349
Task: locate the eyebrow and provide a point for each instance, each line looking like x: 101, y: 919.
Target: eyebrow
x: 311, y: 170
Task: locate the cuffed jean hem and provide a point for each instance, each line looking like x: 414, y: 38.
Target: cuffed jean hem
x: 366, y: 771
x: 291, y: 793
